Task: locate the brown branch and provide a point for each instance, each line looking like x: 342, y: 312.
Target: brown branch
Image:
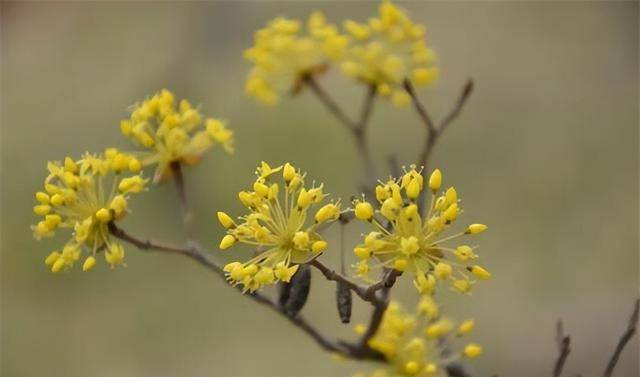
x: 332, y: 275
x: 199, y: 255
x: 434, y: 131
x: 564, y: 348
x: 462, y: 100
x: 358, y: 130
x: 329, y: 103
x: 624, y: 339
x: 187, y: 217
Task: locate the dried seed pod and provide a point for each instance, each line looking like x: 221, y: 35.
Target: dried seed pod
x: 298, y: 291
x: 344, y: 302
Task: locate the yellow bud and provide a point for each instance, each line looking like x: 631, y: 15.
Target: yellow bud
x: 41, y: 209
x: 424, y: 76
x: 390, y: 209
x: 480, y: 272
x: 58, y: 265
x: 435, y: 180
x: 400, y: 264
x: 273, y: 191
x: 464, y: 253
x: 431, y: 368
x: 52, y: 221
x: 118, y: 205
x: 362, y: 252
x: 70, y: 165
x: 52, y: 258
x: 466, y: 327
x: 227, y: 241
x: 134, y: 165
x: 364, y: 211
x: 103, y: 215
x: 413, y: 189
x: 476, y: 228
x: 472, y: 350
x: 230, y: 266
x: 42, y: 197
x: 327, y: 212
x: 443, y: 271
x: 88, y: 263
x: 261, y: 189
x: 410, y: 211
x: 450, y: 197
x: 318, y: 246
x: 132, y: 184
x: 452, y: 212
x: 288, y: 172
x: 360, y: 329
x: 462, y: 286
x: 126, y: 127
x: 57, y: 200
x: 411, y: 367
x: 304, y: 199
x: 226, y: 220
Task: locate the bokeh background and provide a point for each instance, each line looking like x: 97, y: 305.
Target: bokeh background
x: 546, y: 153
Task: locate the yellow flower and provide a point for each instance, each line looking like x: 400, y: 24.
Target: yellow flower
x: 281, y: 225
x: 172, y: 131
x: 411, y: 342
x: 386, y: 51
x: 85, y: 196
x: 285, y: 51
x: 412, y: 242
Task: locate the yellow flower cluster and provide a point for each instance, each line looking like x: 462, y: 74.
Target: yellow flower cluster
x: 279, y: 223
x: 413, y: 343
x: 386, y: 51
x: 173, y: 132
x: 284, y: 52
x: 85, y: 195
x: 411, y: 241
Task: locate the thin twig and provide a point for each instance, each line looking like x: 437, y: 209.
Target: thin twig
x: 329, y: 103
x: 462, y: 100
x: 332, y: 275
x: 624, y: 339
x: 564, y: 348
x: 434, y: 131
x: 198, y: 255
x: 357, y: 129
x: 187, y: 216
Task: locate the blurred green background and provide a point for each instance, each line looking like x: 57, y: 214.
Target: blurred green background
x: 546, y: 153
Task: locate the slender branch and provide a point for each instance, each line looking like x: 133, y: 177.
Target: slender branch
x: 420, y: 108
x: 624, y: 339
x: 332, y: 275
x: 187, y: 217
x: 358, y: 129
x: 564, y: 348
x: 434, y: 131
x: 462, y: 100
x: 329, y: 103
x: 360, y: 137
x: 198, y: 254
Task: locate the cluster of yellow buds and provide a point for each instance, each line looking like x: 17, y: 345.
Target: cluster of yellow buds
x: 173, y: 132
x: 413, y: 343
x: 279, y: 223
x: 386, y: 51
x: 284, y: 52
x: 85, y: 195
x: 411, y: 241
